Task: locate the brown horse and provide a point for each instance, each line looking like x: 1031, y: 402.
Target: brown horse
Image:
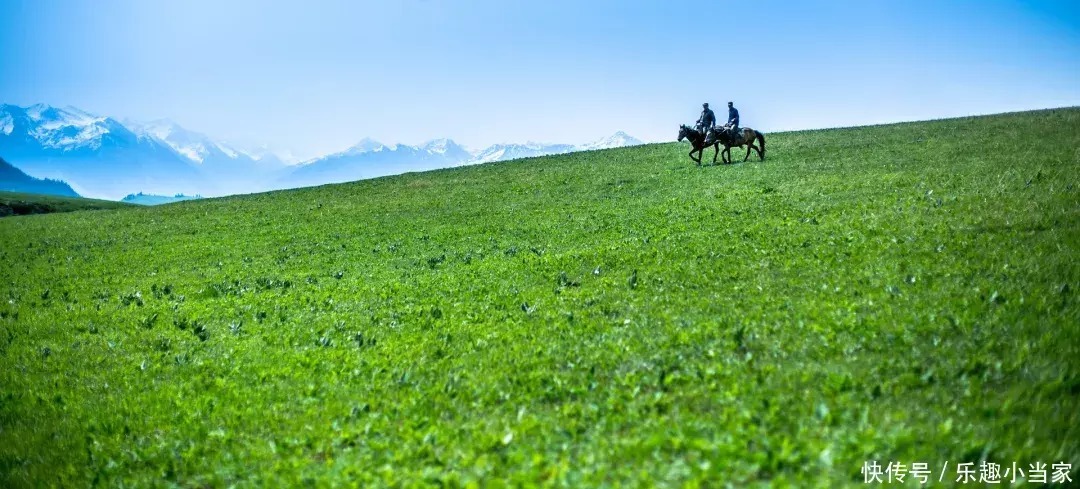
x: 697, y: 142
x: 745, y: 137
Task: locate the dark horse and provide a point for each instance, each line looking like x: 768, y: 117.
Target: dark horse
x: 697, y: 142
x: 745, y: 137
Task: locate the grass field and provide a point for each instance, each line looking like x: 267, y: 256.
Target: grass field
x: 15, y: 204
x: 896, y: 293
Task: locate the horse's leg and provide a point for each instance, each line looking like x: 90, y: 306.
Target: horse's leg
x: 716, y: 151
x: 748, y: 147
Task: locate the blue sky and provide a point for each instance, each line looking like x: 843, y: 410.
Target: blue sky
x: 316, y: 76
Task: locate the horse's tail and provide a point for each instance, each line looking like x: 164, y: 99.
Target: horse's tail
x: 761, y: 137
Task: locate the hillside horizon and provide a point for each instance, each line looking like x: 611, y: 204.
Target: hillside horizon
x: 367, y: 159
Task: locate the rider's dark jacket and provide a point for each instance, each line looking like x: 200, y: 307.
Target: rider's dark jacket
x: 733, y: 117
x: 707, y: 118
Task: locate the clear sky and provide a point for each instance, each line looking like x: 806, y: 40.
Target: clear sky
x: 316, y: 76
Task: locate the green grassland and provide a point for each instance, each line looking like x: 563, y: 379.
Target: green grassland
x: 622, y: 317
x: 16, y: 203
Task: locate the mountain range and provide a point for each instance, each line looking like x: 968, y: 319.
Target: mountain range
x: 230, y: 170
x: 97, y: 156
x: 369, y: 159
x: 102, y: 157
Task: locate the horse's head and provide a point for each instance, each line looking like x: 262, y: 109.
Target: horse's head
x: 684, y: 132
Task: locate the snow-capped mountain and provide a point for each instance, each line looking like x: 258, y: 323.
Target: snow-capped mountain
x: 230, y: 170
x: 98, y: 156
x: 266, y: 155
x: 503, y: 152
x: 194, y: 146
x: 617, y: 140
x: 370, y: 158
x: 366, y: 145
x: 444, y: 147
x: 101, y: 157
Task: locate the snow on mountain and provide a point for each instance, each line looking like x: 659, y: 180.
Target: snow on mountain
x: 7, y: 123
x: 366, y: 145
x: 231, y: 153
x: 617, y: 140
x: 228, y: 169
x: 195, y: 146
x: 101, y: 157
x: 503, y: 152
x: 66, y: 128
x: 444, y: 146
x: 96, y: 155
x: 370, y: 158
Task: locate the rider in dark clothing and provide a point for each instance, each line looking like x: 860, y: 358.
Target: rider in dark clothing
x: 732, y: 119
x: 707, y: 119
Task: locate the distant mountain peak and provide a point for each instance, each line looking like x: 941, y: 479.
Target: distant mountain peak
x: 35, y: 111
x: 194, y: 146
x: 365, y: 145
x: 442, y: 146
x: 158, y: 128
x: 617, y: 140
x: 62, y: 129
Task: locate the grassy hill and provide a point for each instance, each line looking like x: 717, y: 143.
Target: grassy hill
x: 16, y: 204
x: 902, y: 293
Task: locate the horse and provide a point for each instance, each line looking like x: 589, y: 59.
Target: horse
x: 746, y: 137
x: 697, y: 142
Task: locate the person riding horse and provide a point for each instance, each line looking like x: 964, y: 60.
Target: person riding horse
x: 707, y: 121
x: 732, y: 125
x: 706, y: 134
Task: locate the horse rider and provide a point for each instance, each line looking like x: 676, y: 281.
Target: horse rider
x: 707, y: 120
x: 732, y: 125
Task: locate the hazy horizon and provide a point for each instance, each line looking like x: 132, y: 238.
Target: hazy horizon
x: 314, y: 79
